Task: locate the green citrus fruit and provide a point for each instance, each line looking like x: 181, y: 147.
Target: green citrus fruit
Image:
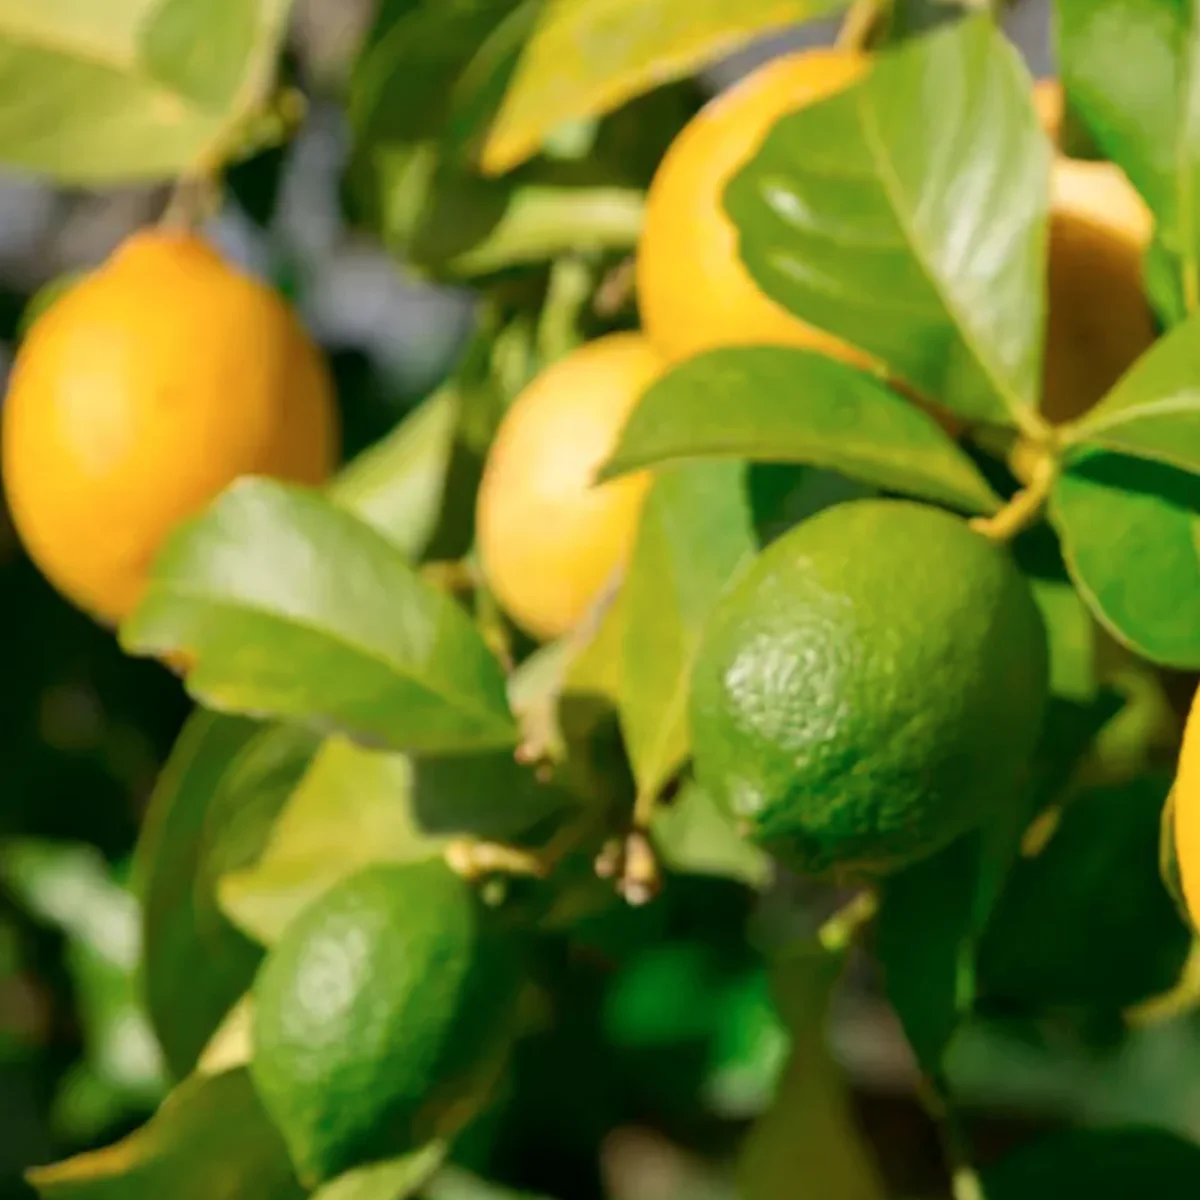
x: 382, y: 1017
x: 870, y: 688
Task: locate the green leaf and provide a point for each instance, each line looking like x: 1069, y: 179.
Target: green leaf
x: 1130, y: 69
x: 395, y: 1179
x: 293, y: 607
x: 210, y: 1140
x: 357, y: 806
x: 196, y: 964
x: 452, y: 1183
x: 782, y: 405
x: 166, y: 83
x: 1129, y: 530
x: 806, y: 1144
x: 696, y: 531
x: 397, y: 486
x: 694, y: 837
x: 413, y: 76
x: 1154, y: 410
x: 925, y: 938
x: 350, y: 809
x: 535, y: 223
x: 1070, y: 636
x: 1087, y: 922
x: 1101, y: 1164
x: 584, y: 59
x: 907, y: 214
x: 72, y: 888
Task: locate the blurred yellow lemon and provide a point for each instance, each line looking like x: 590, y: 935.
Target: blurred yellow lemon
x: 548, y: 538
x: 138, y: 395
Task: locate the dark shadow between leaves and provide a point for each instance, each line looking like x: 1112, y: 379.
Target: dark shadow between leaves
x: 1122, y: 472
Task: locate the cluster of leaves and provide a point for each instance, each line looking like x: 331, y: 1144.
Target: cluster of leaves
x: 355, y: 710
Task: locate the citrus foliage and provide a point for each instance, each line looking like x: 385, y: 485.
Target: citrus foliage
x: 817, y: 497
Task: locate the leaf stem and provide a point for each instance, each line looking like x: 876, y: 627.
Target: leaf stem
x: 1025, y: 506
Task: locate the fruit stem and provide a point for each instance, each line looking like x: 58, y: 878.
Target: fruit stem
x: 1025, y: 506
x: 473, y: 860
x: 839, y: 930
x: 193, y: 200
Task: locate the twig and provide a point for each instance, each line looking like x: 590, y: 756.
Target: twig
x: 1025, y: 506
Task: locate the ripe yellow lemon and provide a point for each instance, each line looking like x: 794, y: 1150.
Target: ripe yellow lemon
x: 1050, y: 106
x: 694, y: 293
x: 139, y: 395
x: 548, y: 538
x: 1186, y: 812
x: 1099, y: 318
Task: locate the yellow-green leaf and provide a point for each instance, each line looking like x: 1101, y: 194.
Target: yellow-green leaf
x: 130, y: 89
x: 806, y: 1145
x: 210, y: 1140
x: 587, y: 57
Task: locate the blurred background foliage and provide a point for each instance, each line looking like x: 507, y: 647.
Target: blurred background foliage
x: 658, y: 1042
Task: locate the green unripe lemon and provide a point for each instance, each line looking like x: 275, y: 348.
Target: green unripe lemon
x: 382, y: 1017
x: 872, y: 687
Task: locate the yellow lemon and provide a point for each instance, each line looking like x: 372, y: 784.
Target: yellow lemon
x: 138, y: 395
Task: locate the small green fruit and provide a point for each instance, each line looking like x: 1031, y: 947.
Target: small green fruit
x: 871, y: 688
x: 382, y: 1017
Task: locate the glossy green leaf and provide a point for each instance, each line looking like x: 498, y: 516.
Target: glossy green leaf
x: 1154, y: 410
x: 925, y: 939
x: 584, y: 59
x: 1101, y: 1164
x: 806, y: 1144
x: 908, y: 215
x: 782, y: 405
x: 196, y: 964
x: 696, y: 531
x: 397, y: 486
x: 166, y: 83
x: 1129, y: 530
x: 1130, y: 68
x: 694, y: 837
x: 394, y: 1179
x: 210, y: 1140
x: 1087, y: 922
x: 293, y: 607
